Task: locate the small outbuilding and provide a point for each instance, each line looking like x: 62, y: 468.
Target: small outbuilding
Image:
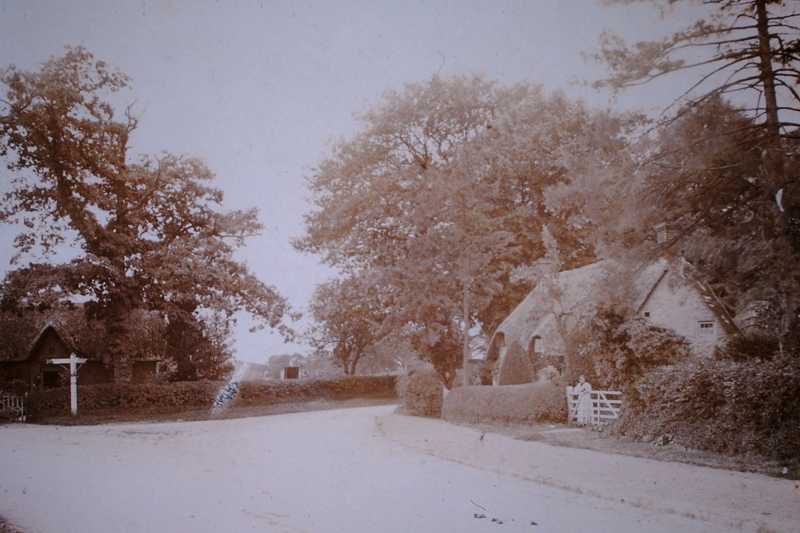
x: 32, y: 370
x: 25, y: 365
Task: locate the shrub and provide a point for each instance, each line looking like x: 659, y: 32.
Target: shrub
x: 745, y: 347
x: 439, y: 344
x: 517, y: 404
x: 201, y: 394
x: 420, y: 393
x: 517, y: 368
x: 721, y: 406
x: 622, y: 349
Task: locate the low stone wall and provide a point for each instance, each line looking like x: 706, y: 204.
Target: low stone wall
x: 515, y: 404
x: 201, y: 394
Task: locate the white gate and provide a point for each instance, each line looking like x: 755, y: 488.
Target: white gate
x: 12, y: 406
x: 605, y: 405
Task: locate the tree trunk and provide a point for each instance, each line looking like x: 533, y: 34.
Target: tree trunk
x: 773, y: 157
x: 180, y: 347
x: 353, y: 365
x: 183, y: 339
x: 467, y: 326
x: 448, y: 378
x: 118, y: 325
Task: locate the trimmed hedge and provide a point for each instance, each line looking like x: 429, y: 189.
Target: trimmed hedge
x: 515, y: 404
x: 201, y: 394
x: 517, y: 368
x: 420, y: 393
x: 720, y: 406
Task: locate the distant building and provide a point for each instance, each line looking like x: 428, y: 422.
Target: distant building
x: 277, y: 366
x: 290, y: 372
x: 667, y: 293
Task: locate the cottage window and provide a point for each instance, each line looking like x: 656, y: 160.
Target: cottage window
x: 647, y: 314
x: 706, y: 326
x: 535, y: 347
x: 661, y: 233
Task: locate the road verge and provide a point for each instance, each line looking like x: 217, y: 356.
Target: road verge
x: 723, y: 499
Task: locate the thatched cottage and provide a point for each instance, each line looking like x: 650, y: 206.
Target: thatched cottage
x: 25, y: 366
x: 668, y: 293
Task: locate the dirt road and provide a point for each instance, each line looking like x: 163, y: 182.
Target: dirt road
x: 360, y: 470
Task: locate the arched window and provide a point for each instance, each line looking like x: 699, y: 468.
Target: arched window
x: 535, y: 348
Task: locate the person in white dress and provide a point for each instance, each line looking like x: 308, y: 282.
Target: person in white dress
x: 584, y: 391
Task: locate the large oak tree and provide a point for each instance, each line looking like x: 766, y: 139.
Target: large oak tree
x: 150, y: 231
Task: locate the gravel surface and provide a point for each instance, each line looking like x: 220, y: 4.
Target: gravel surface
x: 326, y: 471
x: 573, y: 437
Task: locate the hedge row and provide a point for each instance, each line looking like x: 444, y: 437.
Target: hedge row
x: 720, y: 406
x: 516, y: 404
x: 201, y: 394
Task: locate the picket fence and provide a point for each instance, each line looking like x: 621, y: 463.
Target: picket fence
x: 606, y: 405
x: 12, y: 407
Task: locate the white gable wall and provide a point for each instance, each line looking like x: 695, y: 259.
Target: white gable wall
x: 550, y: 341
x: 677, y: 305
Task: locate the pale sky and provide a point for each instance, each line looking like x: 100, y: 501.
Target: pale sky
x: 259, y: 89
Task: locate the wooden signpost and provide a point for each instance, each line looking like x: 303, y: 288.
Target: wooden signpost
x: 73, y: 363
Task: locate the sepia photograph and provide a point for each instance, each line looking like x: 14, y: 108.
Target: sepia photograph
x: 382, y: 266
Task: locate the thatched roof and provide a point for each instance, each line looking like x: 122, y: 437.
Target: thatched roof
x: 571, y: 291
x: 575, y: 294
x: 22, y: 333
x: 56, y: 328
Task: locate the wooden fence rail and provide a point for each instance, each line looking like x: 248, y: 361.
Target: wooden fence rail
x: 606, y: 405
x: 12, y: 406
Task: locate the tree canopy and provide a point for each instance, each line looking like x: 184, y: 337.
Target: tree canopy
x: 150, y: 230
x: 747, y: 50
x: 721, y: 168
x: 347, y: 317
x: 443, y: 192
